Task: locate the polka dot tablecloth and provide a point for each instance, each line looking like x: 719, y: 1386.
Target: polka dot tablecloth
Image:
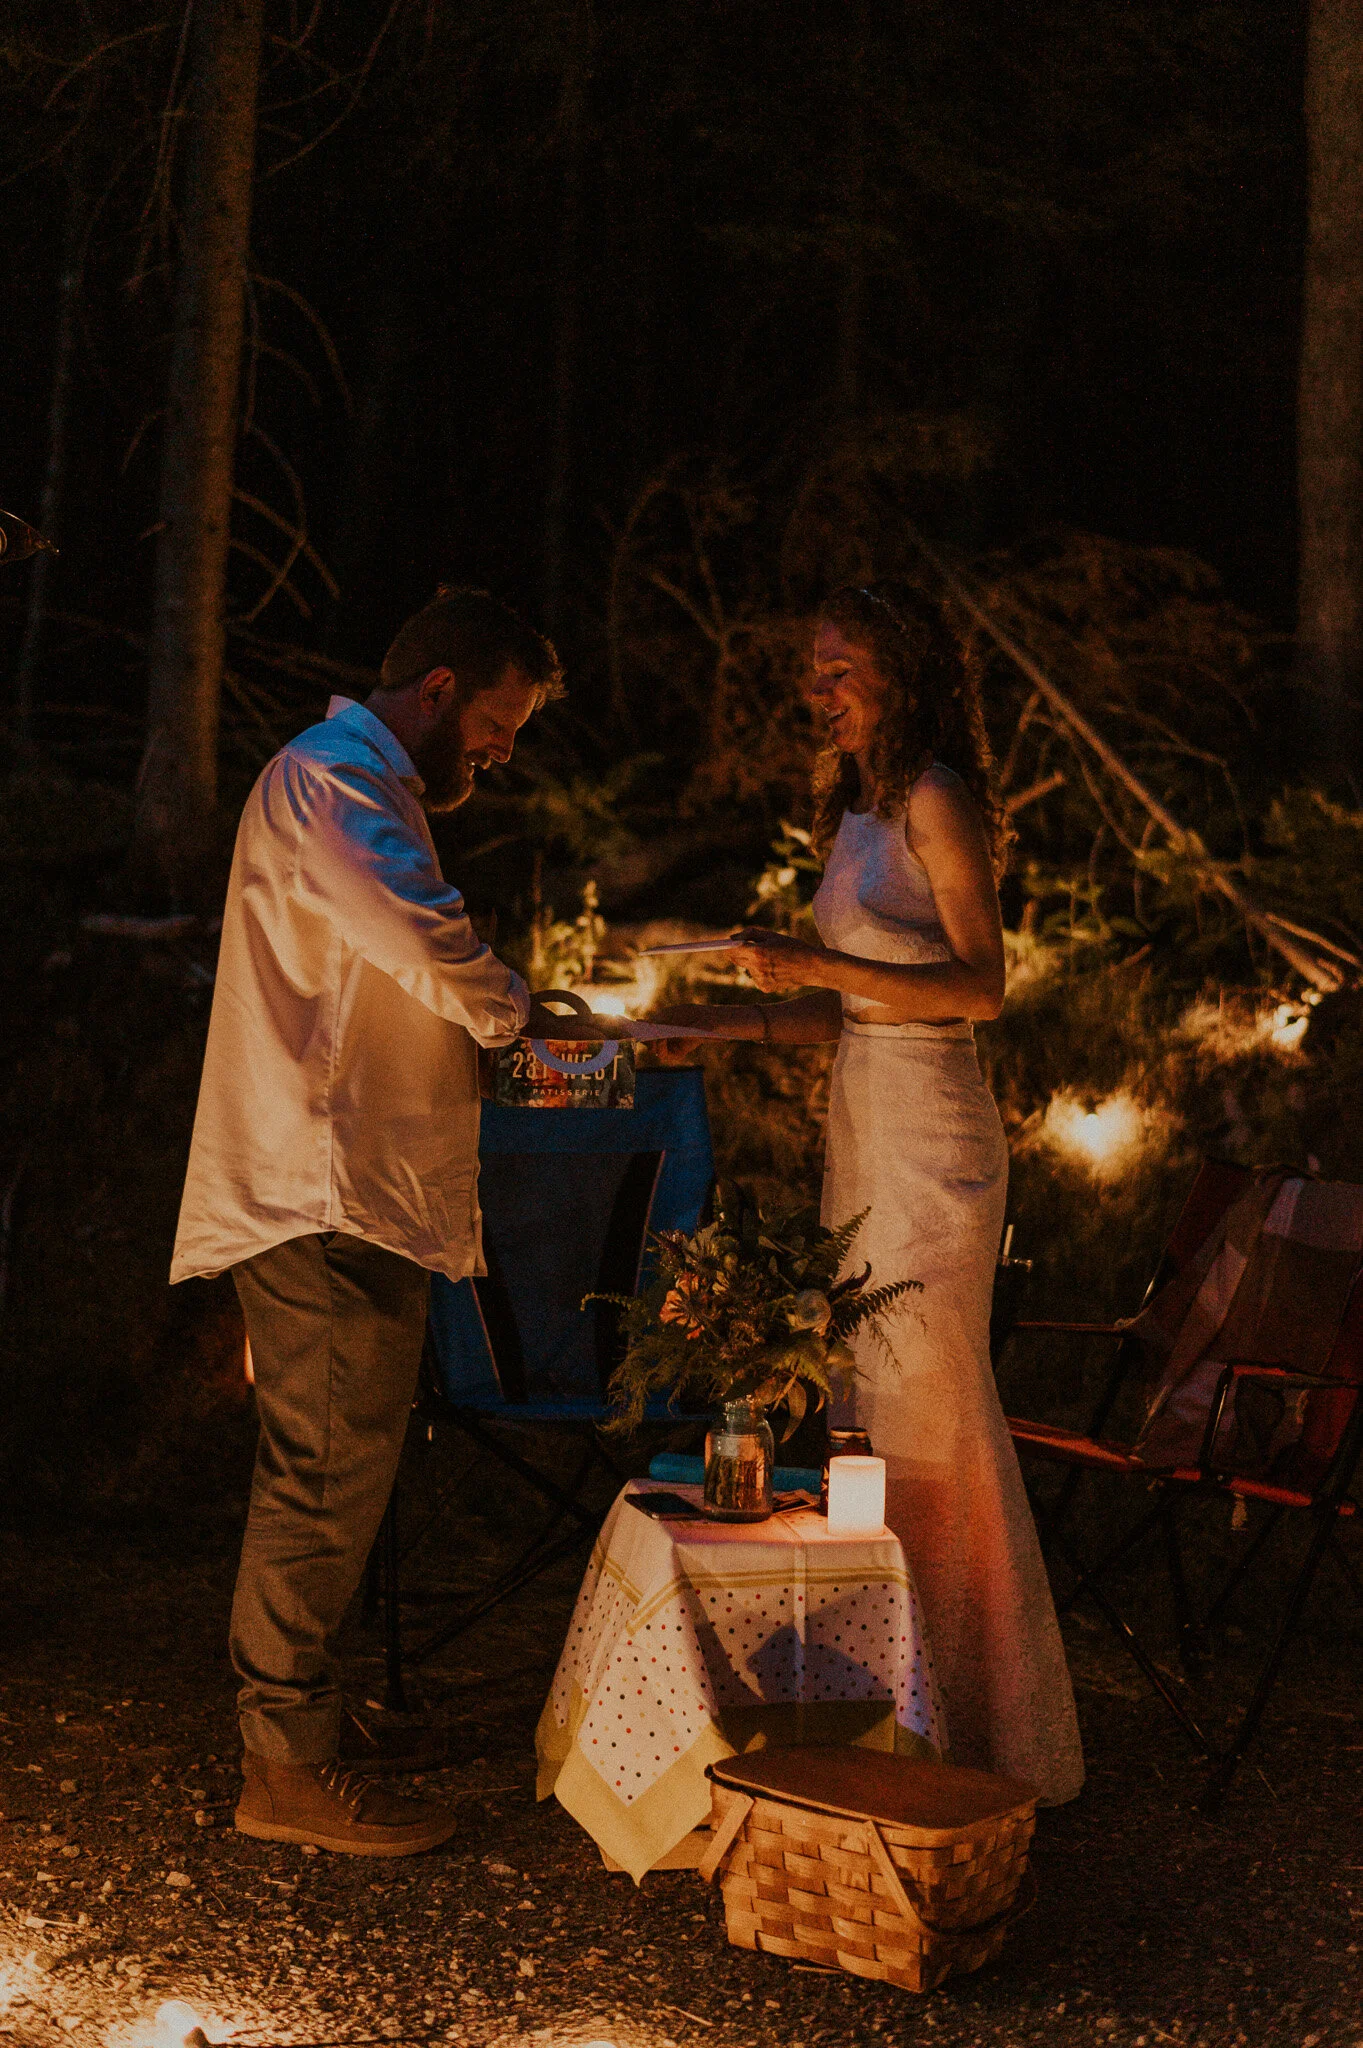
x: 691, y: 1639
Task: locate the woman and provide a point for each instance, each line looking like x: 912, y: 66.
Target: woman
x: 912, y: 953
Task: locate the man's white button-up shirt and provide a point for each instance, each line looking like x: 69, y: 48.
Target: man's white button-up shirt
x: 340, y: 1087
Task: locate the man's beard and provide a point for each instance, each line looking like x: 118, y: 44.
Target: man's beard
x: 444, y: 767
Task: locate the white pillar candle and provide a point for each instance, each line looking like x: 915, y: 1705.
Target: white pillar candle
x: 856, y: 1496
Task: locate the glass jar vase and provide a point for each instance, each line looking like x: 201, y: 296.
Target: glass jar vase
x: 740, y: 1457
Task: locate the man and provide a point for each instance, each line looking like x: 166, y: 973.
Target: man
x: 334, y: 1162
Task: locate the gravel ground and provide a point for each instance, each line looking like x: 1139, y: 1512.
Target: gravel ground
x: 124, y: 1885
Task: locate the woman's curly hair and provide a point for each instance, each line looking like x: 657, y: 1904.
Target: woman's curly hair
x: 932, y: 705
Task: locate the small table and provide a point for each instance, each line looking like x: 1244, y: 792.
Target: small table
x: 693, y: 1640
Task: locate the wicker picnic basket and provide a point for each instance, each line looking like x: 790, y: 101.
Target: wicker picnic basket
x: 894, y: 1870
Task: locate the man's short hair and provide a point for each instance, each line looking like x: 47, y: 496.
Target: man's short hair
x: 478, y: 638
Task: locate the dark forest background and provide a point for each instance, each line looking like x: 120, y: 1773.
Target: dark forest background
x: 661, y: 321
x: 517, y: 270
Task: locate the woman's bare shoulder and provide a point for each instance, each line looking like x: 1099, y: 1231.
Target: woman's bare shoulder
x: 939, y: 794
x: 941, y: 808
x: 937, y: 776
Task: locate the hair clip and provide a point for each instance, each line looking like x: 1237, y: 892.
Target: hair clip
x: 885, y: 605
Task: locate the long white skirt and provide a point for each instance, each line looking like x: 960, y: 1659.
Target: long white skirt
x: 913, y: 1135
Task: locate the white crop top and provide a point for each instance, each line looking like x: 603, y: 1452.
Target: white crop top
x: 875, y: 899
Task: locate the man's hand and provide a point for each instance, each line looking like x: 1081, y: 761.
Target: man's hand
x: 546, y: 1023
x: 776, y: 962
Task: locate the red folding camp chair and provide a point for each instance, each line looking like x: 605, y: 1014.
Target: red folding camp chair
x: 1281, y: 1438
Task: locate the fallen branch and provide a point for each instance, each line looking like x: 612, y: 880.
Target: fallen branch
x: 1321, y: 973
x: 1304, y: 932
x: 1033, y: 792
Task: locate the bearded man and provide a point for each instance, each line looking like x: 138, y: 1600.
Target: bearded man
x: 334, y: 1164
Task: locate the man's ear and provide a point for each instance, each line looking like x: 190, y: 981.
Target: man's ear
x: 435, y: 691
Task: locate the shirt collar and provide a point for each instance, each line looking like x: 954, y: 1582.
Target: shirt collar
x: 378, y: 734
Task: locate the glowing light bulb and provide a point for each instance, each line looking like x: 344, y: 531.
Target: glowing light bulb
x: 1105, y: 1137
x: 179, y: 2026
x: 609, y: 1004
x: 1287, y: 1027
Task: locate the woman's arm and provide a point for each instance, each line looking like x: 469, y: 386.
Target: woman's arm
x: 814, y: 1018
x: 948, y: 837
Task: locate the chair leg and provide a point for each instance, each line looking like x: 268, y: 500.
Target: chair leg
x: 373, y: 1580
x: 1341, y: 1558
x: 544, y: 1549
x: 1215, y: 1789
x: 1130, y: 1540
x: 519, y: 1576
x: 1050, y: 1520
x: 395, y: 1696
x: 1122, y: 1628
x: 1191, y: 1641
x: 523, y: 1469
x: 1236, y: 1577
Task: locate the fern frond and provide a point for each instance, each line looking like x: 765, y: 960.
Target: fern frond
x: 850, y: 1314
x: 851, y: 1285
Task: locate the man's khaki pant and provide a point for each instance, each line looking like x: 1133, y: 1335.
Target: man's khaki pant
x: 336, y: 1327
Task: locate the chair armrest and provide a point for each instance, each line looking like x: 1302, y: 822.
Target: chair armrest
x: 1250, y: 1369
x: 1235, y: 1369
x: 1117, y: 1372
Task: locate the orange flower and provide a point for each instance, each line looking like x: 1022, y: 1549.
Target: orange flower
x: 677, y: 1309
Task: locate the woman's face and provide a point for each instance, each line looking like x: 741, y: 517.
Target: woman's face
x: 846, y: 688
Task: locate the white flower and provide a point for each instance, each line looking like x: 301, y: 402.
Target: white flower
x: 810, y: 1310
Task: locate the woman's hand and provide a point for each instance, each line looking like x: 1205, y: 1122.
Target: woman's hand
x: 778, y: 963
x: 674, y: 1051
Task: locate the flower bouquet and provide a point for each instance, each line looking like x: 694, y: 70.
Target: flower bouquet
x: 748, y: 1311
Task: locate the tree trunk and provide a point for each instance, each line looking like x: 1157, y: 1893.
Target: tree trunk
x: 851, y: 300
x: 177, y: 789
x: 567, y: 316
x: 1330, y: 397
x: 54, y: 475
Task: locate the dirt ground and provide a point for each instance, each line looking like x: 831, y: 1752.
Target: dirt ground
x: 124, y: 1885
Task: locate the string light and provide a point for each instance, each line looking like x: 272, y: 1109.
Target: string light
x: 1232, y: 1031
x: 1106, y: 1137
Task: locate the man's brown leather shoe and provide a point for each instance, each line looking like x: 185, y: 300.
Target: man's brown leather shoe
x: 336, y: 1808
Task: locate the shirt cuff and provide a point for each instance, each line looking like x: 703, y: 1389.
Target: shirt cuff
x: 520, y: 996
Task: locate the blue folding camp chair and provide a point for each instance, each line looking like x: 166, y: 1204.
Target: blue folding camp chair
x: 569, y: 1198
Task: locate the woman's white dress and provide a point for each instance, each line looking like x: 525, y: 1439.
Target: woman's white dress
x: 913, y: 1135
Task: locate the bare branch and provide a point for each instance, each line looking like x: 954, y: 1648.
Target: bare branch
x: 1302, y: 931
x: 97, y: 56
x: 707, y: 573
x: 1320, y: 973
x: 1033, y: 792
x: 1008, y: 766
x: 305, y: 378
x: 148, y: 420
x: 687, y: 603
x: 620, y: 557
x: 296, y: 535
x: 360, y: 78
x: 296, y: 43
x: 319, y: 327
x: 158, y: 193
x: 291, y: 476
x: 262, y: 561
